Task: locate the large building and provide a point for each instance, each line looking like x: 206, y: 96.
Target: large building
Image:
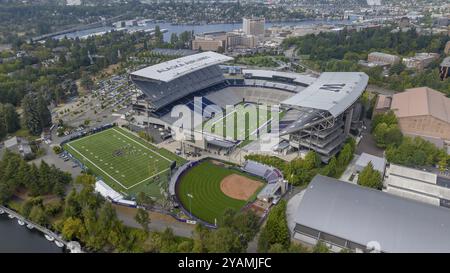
x: 444, y: 69
x: 169, y: 82
x: 418, y: 185
x: 380, y: 57
x: 347, y: 216
x: 320, y: 117
x: 420, y: 61
x: 423, y: 112
x: 212, y: 41
x: 319, y: 113
x: 253, y: 26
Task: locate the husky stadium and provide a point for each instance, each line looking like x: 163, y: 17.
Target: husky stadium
x: 317, y: 113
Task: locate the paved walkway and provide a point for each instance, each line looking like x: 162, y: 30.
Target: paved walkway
x: 158, y: 221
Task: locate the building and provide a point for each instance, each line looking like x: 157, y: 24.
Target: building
x: 320, y: 113
x: 347, y: 216
x: 19, y: 145
x: 378, y: 163
x: 223, y: 41
x: 212, y: 41
x: 321, y: 116
x: 253, y: 26
x: 423, y: 112
x: 420, y: 60
x: 379, y: 57
x: 238, y: 39
x: 418, y: 185
x: 382, y: 104
x: 444, y: 68
x: 447, y: 48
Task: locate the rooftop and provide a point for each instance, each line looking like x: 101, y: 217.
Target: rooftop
x: 421, y: 101
x: 173, y: 69
x: 296, y: 77
x: 332, y: 91
x: 378, y: 163
x: 364, y: 215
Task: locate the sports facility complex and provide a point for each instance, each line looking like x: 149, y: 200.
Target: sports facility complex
x: 303, y: 111
x: 226, y: 112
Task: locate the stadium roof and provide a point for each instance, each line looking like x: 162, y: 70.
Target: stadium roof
x: 364, y: 215
x: 173, y: 69
x: 332, y: 91
x: 296, y: 77
x: 421, y: 101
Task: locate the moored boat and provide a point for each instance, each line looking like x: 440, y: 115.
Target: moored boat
x: 48, y: 237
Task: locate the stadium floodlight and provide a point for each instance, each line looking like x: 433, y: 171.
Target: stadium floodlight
x: 190, y: 203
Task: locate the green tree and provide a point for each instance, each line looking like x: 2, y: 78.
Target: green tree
x: 369, y: 177
x: 73, y: 228
x: 142, y: 218
x: 320, y: 247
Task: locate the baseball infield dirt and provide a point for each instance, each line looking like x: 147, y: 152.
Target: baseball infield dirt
x: 239, y: 187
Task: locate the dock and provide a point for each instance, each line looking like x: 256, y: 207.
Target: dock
x: 73, y: 247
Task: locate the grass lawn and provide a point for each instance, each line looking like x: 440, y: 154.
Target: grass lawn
x: 124, y: 161
x: 203, y: 183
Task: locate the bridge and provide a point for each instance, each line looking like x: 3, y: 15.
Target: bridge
x: 73, y: 247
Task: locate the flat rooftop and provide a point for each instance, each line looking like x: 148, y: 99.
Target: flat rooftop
x: 332, y: 91
x: 364, y: 215
x: 173, y: 69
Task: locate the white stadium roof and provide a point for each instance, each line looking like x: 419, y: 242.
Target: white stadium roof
x: 296, y: 77
x: 332, y: 91
x: 173, y: 69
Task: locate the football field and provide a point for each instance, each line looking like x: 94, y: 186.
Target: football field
x: 124, y: 161
x: 240, y: 124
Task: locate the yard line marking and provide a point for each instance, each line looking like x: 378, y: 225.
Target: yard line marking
x: 168, y: 169
x: 96, y: 166
x: 142, y: 145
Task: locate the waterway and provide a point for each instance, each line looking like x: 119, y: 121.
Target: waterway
x: 197, y: 28
x: 19, y: 239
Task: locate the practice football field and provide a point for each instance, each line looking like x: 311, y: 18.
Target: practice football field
x: 124, y: 161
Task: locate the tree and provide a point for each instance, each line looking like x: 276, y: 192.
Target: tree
x: 321, y: 247
x: 9, y: 117
x: 312, y: 160
x: 36, y: 114
x: 144, y: 200
x: 142, y: 218
x: 276, y: 229
x: 369, y: 177
x: 73, y: 228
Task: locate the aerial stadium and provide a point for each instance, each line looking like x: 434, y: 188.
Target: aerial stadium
x: 311, y: 113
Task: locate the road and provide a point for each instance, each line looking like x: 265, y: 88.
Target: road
x: 158, y: 221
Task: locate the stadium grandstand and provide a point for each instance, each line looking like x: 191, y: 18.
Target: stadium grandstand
x: 318, y: 113
x: 321, y: 116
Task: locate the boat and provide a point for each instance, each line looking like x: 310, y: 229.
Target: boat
x: 30, y: 226
x: 21, y: 222
x: 2, y: 211
x: 49, y: 238
x: 10, y: 216
x: 58, y: 243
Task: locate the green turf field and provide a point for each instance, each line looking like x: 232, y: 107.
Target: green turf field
x: 124, y: 161
x: 203, y: 183
x: 248, y: 118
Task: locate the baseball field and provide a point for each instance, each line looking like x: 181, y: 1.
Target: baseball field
x: 210, y: 187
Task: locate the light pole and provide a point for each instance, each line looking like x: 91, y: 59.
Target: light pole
x: 190, y: 203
